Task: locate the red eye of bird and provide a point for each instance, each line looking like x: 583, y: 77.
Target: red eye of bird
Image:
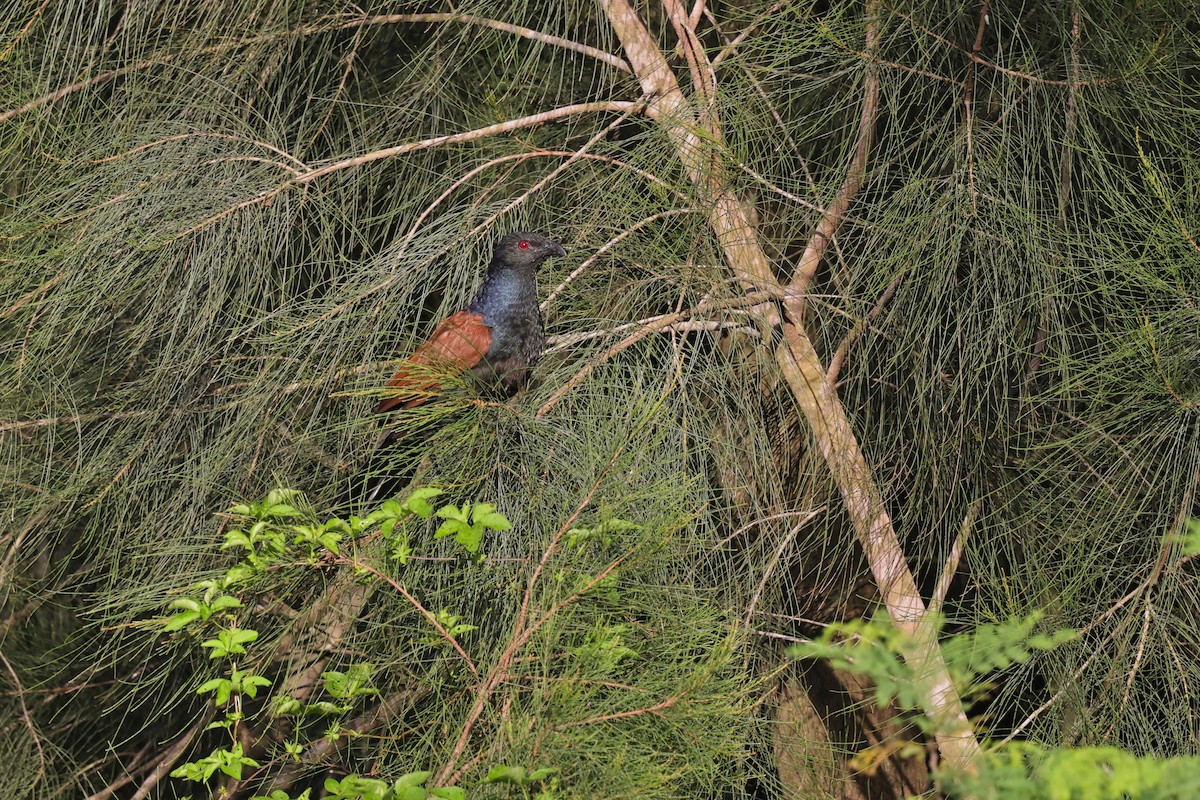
x: 524, y: 245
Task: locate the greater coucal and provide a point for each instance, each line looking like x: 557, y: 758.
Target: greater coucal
x: 497, y: 338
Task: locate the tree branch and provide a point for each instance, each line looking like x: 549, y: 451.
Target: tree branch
x: 816, y: 396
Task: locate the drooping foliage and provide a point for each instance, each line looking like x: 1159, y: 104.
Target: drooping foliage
x: 224, y: 220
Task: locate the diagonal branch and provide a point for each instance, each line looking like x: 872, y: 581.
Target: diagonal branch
x: 506, y: 126
x: 696, y: 138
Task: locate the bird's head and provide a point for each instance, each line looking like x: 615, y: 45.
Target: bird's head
x: 525, y: 249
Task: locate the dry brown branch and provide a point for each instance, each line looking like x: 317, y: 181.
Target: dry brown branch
x: 21, y: 33
x: 835, y: 212
x: 950, y: 568
x: 1012, y: 73
x: 202, y: 135
x: 556, y: 343
x: 27, y: 718
x: 507, y: 126
x: 644, y: 329
x: 426, y: 613
x: 843, y: 351
x: 798, y: 361
x: 968, y: 107
x: 29, y: 297
x: 326, y: 747
x: 523, y: 631
x: 494, y: 24
x: 164, y: 763
x: 312, y: 30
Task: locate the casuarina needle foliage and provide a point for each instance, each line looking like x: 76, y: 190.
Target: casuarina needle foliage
x: 870, y: 307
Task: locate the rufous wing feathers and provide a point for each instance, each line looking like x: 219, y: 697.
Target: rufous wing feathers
x: 458, y: 343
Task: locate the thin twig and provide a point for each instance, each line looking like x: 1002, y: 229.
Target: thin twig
x: 520, y: 632
x: 950, y: 568
x: 611, y: 243
x: 859, y: 328
x: 426, y: 613
x: 968, y: 98
x: 507, y: 126
x: 775, y: 561
x: 494, y: 24
x: 166, y: 761
x: 556, y: 343
x: 30, y: 781
x: 835, y: 212
x: 21, y: 33
x: 1012, y: 73
x: 653, y: 325
x: 1067, y: 684
x: 311, y: 30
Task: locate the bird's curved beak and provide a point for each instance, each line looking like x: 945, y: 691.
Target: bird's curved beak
x: 557, y: 249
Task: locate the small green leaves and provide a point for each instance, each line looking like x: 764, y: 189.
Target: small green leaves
x: 418, y: 502
x: 263, y: 542
x: 274, y: 539
x: 229, y: 642
x: 1189, y: 540
x: 411, y: 786
x: 238, y: 682
x: 280, y: 794
x: 407, y: 787
x: 326, y: 536
x: 356, y: 787
x: 874, y: 647
x: 452, y: 625
x: 469, y: 523
x: 350, y: 684
x: 193, y: 610
x: 229, y: 761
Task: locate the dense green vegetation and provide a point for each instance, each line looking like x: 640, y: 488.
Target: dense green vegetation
x: 871, y: 309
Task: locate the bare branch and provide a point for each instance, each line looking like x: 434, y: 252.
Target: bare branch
x: 816, y: 396
x: 507, y: 126
x: 835, y: 212
x: 517, y: 30
x: 312, y: 30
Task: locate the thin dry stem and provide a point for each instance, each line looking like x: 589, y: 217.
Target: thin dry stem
x: 521, y: 632
x: 507, y: 126
x: 311, y: 30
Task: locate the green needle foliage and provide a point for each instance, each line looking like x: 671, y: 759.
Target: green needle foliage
x: 222, y: 222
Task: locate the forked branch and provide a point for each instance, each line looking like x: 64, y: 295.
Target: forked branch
x: 816, y: 396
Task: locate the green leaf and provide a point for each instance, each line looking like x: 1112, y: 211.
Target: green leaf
x: 485, y: 514
x: 225, y: 601
x: 411, y: 786
x: 229, y: 642
x: 418, y: 502
x: 181, y: 620
x: 222, y: 686
x: 503, y: 774
x: 449, y: 793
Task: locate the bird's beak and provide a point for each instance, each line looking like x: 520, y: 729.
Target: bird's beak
x: 557, y: 249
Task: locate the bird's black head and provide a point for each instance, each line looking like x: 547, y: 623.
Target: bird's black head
x: 524, y: 249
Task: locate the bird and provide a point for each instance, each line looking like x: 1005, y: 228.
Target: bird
x: 497, y: 338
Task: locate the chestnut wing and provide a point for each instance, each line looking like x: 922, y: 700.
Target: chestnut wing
x: 459, y: 342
